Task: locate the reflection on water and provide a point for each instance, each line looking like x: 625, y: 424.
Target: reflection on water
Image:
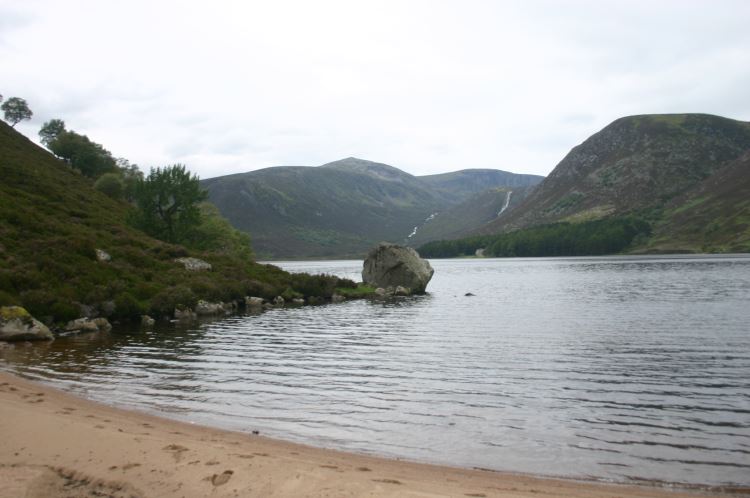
x: 615, y: 368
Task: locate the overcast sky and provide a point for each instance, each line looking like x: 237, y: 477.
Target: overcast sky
x: 426, y: 86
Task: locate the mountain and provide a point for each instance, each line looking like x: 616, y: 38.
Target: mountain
x: 637, y: 164
x: 714, y: 216
x: 476, y: 211
x: 339, y: 209
x: 52, y: 222
x: 458, y: 186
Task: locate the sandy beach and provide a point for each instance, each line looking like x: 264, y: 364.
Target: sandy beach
x: 58, y: 445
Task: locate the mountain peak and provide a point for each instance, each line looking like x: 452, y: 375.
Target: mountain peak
x: 370, y: 168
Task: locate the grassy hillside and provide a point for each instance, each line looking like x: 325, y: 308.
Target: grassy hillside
x: 51, y: 222
x: 636, y: 163
x: 686, y: 175
x: 476, y: 211
x: 319, y: 212
x: 339, y: 209
x: 714, y: 216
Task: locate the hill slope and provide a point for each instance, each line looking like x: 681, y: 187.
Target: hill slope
x: 464, y: 218
x: 51, y: 222
x: 459, y: 186
x: 636, y: 163
x: 714, y: 216
x: 339, y: 209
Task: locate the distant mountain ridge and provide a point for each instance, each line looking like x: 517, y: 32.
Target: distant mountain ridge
x: 634, y: 164
x: 342, y: 208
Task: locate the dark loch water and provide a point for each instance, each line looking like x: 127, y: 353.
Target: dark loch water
x: 613, y: 368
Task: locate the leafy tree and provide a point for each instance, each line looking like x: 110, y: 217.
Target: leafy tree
x: 89, y: 157
x: 131, y: 175
x: 215, y: 233
x: 16, y: 109
x: 167, y: 201
x: 110, y: 184
x: 50, y: 130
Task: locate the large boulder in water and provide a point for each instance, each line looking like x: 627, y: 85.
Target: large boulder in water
x: 16, y: 324
x: 390, y: 265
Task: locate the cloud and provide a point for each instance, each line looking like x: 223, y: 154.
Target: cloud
x: 428, y: 86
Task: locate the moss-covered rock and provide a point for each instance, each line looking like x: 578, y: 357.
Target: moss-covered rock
x: 16, y: 324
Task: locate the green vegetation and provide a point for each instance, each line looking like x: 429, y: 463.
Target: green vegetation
x: 592, y: 238
x: 360, y: 291
x: 343, y: 208
x: 88, y: 157
x: 16, y: 110
x: 13, y: 313
x: 52, y: 221
x: 110, y: 184
x: 167, y: 202
x: 50, y: 130
x: 567, y: 202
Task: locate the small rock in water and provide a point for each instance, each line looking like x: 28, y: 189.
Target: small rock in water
x: 401, y: 291
x: 469, y: 294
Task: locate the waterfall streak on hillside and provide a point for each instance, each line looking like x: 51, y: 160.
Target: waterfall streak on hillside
x: 414, y: 232
x: 507, y: 201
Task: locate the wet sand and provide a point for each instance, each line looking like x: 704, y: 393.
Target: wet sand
x: 53, y: 444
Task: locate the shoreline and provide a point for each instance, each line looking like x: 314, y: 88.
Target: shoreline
x: 55, y: 444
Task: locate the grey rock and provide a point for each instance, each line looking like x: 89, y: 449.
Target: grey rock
x: 102, y: 256
x: 278, y: 301
x: 337, y: 298
x: 16, y: 324
x: 401, y: 291
x: 81, y: 325
x: 253, y: 302
x: 391, y: 265
x: 185, y: 315
x: 204, y: 308
x: 298, y: 301
x: 381, y: 292
x: 103, y: 324
x: 194, y: 264
x: 147, y: 321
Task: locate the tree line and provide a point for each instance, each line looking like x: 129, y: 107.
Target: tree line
x: 592, y: 238
x: 169, y: 202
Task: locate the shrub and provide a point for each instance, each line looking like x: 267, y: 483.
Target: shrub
x: 171, y: 298
x: 111, y: 185
x: 127, y: 307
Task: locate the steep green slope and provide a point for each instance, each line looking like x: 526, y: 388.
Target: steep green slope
x: 51, y: 222
x: 636, y: 163
x: 339, y: 209
x: 686, y: 175
x: 712, y: 217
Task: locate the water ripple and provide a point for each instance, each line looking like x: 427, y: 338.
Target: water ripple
x: 615, y: 368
